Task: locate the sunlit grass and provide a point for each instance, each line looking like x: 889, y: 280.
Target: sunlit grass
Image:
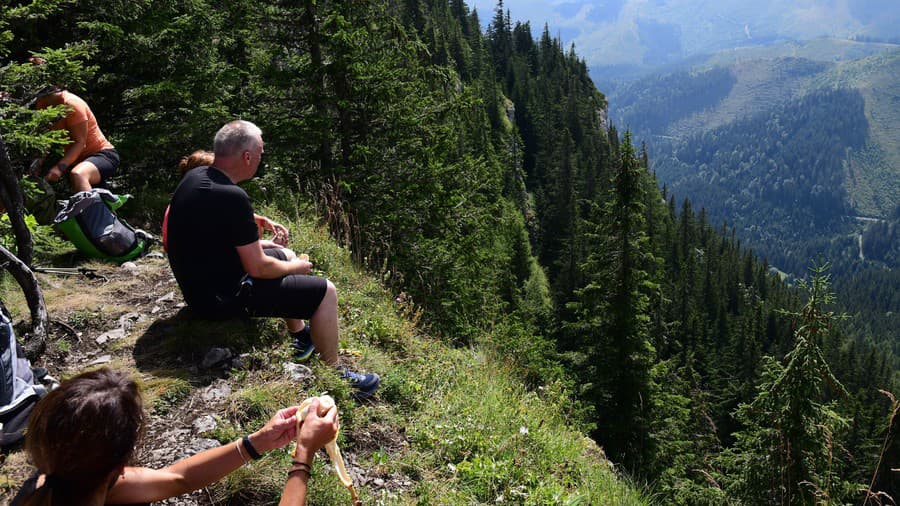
x: 449, y: 425
x: 474, y: 434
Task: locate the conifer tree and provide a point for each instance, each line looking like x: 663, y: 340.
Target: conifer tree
x: 24, y: 131
x: 790, y: 449
x: 613, y: 316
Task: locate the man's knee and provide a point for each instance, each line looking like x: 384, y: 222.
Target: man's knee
x: 330, y: 291
x: 86, y: 171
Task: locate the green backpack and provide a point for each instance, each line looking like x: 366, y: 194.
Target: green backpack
x: 88, y: 219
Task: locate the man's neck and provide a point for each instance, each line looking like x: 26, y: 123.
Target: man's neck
x: 51, y: 99
x: 227, y: 167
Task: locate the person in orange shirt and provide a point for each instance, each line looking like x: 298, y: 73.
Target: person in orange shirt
x: 89, y: 159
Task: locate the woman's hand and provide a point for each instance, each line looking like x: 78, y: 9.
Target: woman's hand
x: 280, y: 234
x: 302, y: 266
x: 316, y: 431
x: 278, y: 431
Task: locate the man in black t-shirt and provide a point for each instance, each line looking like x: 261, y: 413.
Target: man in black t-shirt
x: 223, y: 267
x: 208, y: 221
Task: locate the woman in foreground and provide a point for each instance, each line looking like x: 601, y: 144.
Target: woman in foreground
x: 82, y: 437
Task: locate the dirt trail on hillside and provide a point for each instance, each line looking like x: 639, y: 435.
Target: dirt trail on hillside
x: 96, y: 322
x: 116, y: 320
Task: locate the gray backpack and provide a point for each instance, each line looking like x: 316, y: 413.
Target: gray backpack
x: 20, y: 385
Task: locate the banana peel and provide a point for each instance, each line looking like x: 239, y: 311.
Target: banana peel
x: 334, y: 453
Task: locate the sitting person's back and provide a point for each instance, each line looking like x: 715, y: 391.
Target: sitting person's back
x: 199, y: 158
x: 209, y: 216
x: 214, y: 246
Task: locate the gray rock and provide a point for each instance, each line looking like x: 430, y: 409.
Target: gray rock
x: 169, y: 297
x: 160, y: 455
x: 103, y: 359
x: 110, y: 335
x: 196, y: 446
x: 128, y: 320
x: 176, y: 435
x: 155, y: 254
x: 215, y: 357
x: 297, y: 372
x: 204, y: 424
x: 130, y: 266
x: 219, y: 390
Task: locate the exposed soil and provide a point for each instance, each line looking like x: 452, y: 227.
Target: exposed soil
x: 125, y: 318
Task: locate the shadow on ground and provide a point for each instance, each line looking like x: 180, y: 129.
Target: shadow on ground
x: 185, y: 342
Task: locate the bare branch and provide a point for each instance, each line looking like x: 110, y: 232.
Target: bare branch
x: 35, y: 341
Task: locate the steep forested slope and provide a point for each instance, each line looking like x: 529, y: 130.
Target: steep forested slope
x: 668, y: 321
x: 872, y: 178
x: 800, y: 156
x: 777, y: 177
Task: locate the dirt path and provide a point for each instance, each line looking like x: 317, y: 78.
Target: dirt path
x: 131, y: 318
x: 98, y: 322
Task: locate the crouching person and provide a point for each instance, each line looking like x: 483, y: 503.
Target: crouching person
x: 223, y: 268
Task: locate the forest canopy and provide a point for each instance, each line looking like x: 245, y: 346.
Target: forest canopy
x: 477, y: 173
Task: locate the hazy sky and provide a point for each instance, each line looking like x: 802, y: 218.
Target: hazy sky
x: 655, y: 31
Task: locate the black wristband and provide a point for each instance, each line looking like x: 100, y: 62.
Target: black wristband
x: 250, y: 449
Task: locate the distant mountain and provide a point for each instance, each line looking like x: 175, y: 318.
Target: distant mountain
x: 631, y: 38
x: 793, y: 145
x: 640, y: 37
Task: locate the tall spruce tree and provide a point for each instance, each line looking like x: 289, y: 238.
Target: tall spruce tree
x: 613, y: 315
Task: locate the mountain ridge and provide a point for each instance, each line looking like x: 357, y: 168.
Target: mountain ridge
x: 872, y: 171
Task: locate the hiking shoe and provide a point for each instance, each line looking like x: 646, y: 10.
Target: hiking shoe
x: 364, y: 384
x: 303, y: 345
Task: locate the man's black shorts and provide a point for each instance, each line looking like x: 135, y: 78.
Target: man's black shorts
x: 293, y: 296
x: 106, y: 161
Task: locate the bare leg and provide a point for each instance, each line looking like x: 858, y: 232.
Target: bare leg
x: 294, y: 325
x: 324, y: 326
x: 83, y: 176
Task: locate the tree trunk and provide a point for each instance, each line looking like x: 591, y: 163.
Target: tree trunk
x: 12, y: 200
x: 318, y: 80
x: 35, y: 341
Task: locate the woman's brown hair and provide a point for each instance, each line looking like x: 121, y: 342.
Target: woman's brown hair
x: 83, y: 431
x: 196, y: 159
